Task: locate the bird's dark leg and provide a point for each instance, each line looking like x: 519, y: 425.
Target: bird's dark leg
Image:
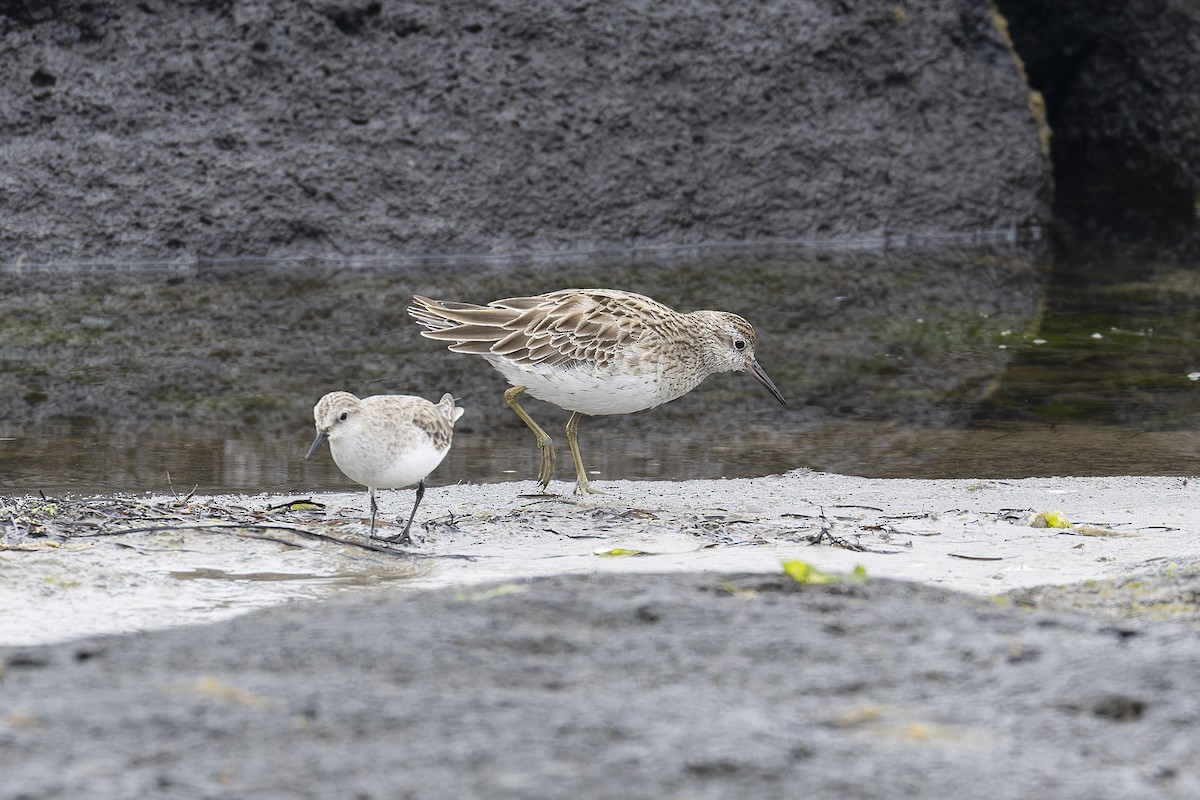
x: 374, y: 508
x: 403, y: 535
x: 543, y: 439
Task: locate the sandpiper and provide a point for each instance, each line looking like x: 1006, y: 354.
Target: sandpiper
x: 593, y: 352
x: 386, y: 442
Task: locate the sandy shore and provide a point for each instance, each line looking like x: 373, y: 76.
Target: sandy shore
x: 965, y: 535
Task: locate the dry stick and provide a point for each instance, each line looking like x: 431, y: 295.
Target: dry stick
x: 290, y: 503
x: 222, y: 527
x: 232, y: 527
x: 171, y: 486
x: 125, y: 514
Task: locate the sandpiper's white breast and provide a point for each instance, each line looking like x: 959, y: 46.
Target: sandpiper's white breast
x: 585, y: 389
x: 387, y: 463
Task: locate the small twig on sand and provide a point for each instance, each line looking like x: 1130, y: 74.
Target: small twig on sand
x: 178, y: 500
x: 827, y: 536
x: 235, y: 529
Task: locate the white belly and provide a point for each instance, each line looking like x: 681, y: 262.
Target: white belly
x: 382, y: 467
x: 585, y: 391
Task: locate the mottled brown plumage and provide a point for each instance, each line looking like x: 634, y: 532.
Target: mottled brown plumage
x: 593, y: 352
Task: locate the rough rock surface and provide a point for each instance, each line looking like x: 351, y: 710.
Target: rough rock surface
x: 1119, y: 79
x: 614, y: 686
x: 175, y: 130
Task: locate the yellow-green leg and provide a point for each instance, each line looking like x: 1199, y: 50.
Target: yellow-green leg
x: 543, y: 439
x: 582, y: 484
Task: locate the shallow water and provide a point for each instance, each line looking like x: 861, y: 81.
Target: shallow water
x: 871, y: 448
x: 951, y: 361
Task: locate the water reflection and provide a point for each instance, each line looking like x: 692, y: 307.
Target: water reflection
x: 1111, y: 352
x: 873, y: 448
x: 921, y: 363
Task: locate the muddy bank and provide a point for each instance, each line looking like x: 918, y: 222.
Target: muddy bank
x: 170, y: 131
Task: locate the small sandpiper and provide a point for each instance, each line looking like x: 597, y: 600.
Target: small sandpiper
x: 386, y: 442
x: 593, y: 352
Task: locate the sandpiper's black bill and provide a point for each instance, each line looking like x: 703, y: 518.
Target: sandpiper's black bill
x: 762, y: 377
x: 316, y: 445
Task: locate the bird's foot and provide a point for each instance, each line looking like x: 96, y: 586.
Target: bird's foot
x: 584, y: 486
x: 403, y: 537
x: 546, y: 469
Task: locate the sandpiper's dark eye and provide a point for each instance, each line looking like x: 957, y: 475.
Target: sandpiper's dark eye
x: 739, y: 344
x: 344, y: 415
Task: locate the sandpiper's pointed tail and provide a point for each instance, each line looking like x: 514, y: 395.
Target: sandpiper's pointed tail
x: 469, y: 328
x: 438, y: 315
x: 448, y: 407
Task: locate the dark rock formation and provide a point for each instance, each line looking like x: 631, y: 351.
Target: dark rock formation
x: 172, y: 130
x: 1119, y: 78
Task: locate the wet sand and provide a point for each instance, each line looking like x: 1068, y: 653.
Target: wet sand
x: 511, y: 655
